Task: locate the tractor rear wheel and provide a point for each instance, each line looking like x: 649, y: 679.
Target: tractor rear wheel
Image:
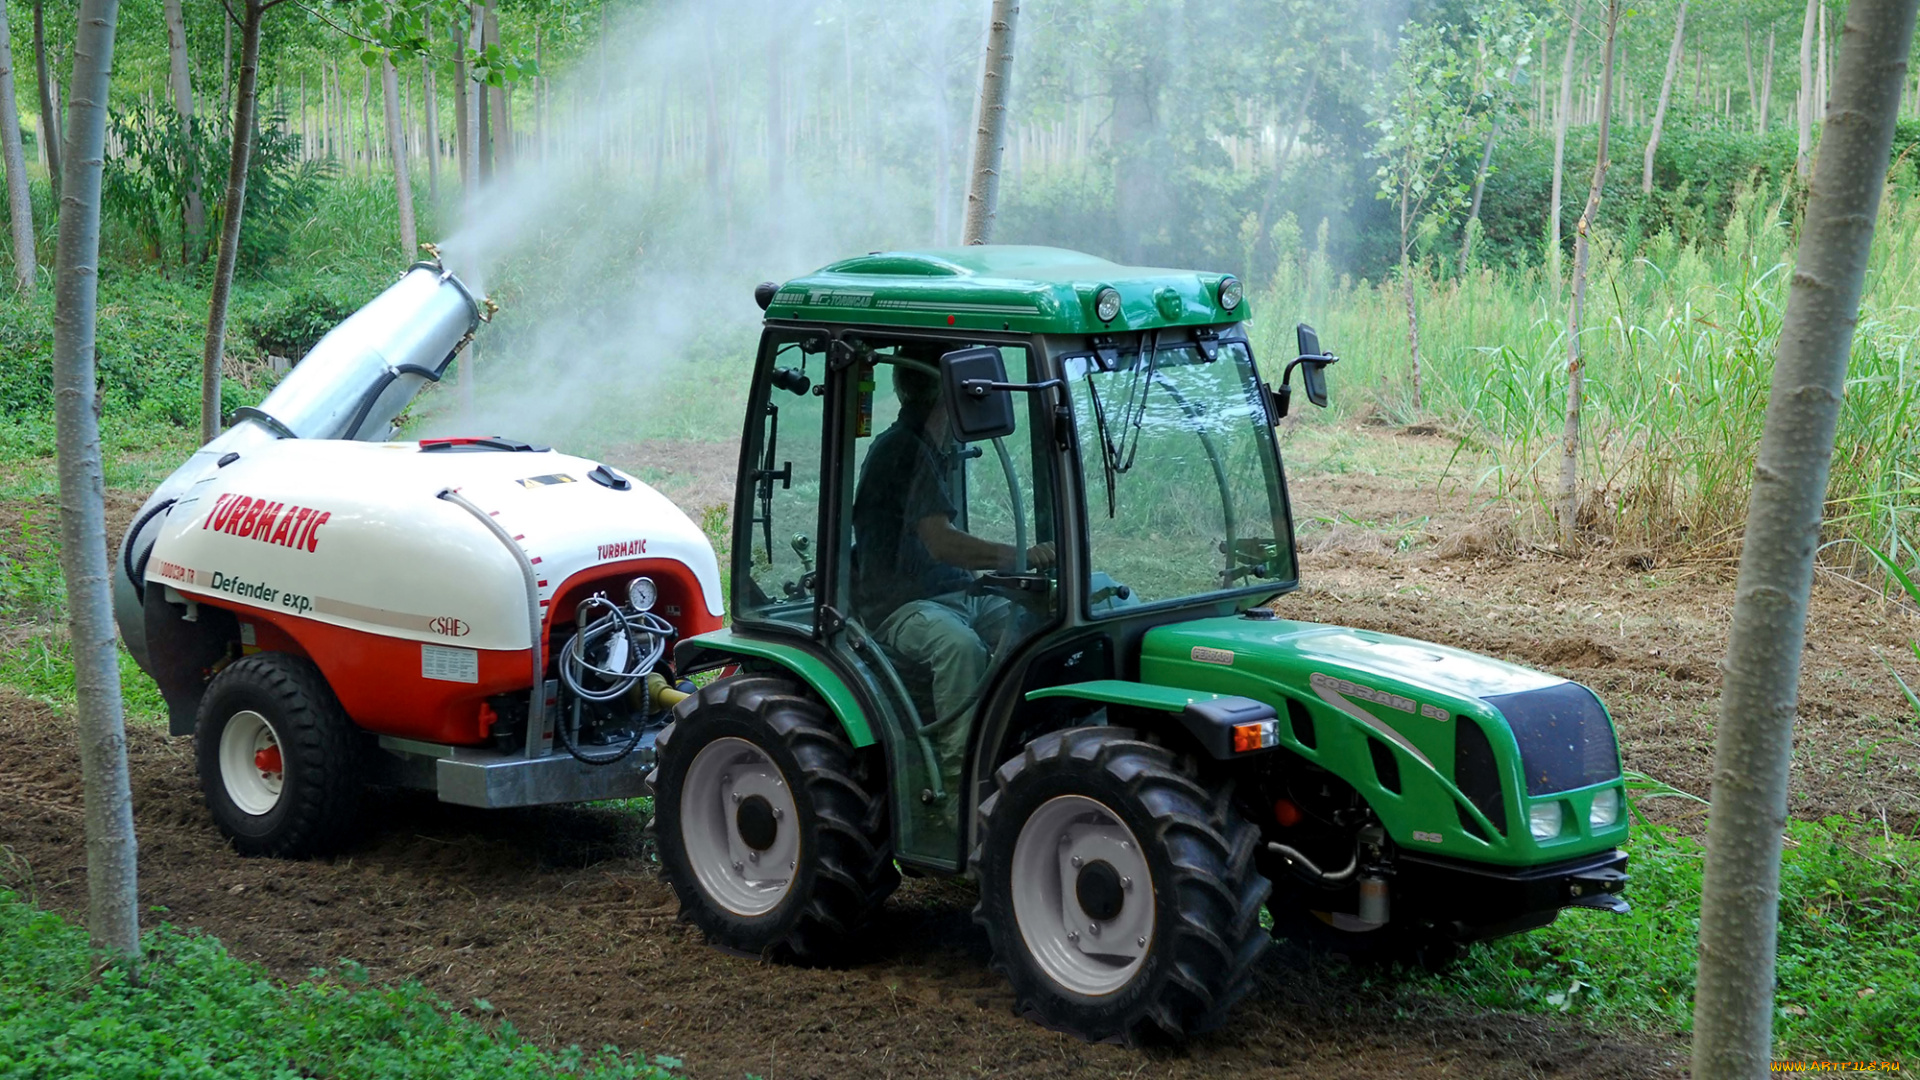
x: 771, y: 830
x: 277, y: 755
x: 1119, y: 895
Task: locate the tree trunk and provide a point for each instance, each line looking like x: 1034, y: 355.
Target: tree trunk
x: 430, y: 103
x: 1820, y: 79
x: 539, y: 97
x: 51, y: 135
x: 1739, y: 910
x: 777, y: 130
x: 499, y: 115
x: 113, y: 904
x: 1666, y: 92
x: 1479, y: 188
x: 1413, y: 322
x: 179, y: 76
x: 397, y: 150
x: 990, y: 138
x: 462, y: 86
x: 1582, y: 248
x: 26, y: 267
x: 1746, y: 52
x: 1803, y: 164
x: 233, y: 210
x: 1560, y: 148
x: 367, y: 147
x: 1766, y: 85
x: 711, y: 37
x: 475, y: 122
x: 226, y: 60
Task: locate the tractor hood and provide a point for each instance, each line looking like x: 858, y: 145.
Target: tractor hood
x: 1414, y: 694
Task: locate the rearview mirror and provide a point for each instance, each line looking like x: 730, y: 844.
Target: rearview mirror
x: 973, y: 383
x: 1309, y: 341
x: 1313, y: 377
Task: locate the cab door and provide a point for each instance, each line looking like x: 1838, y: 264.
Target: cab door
x: 926, y: 635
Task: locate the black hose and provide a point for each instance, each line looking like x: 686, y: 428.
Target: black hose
x: 560, y: 730
x: 126, y: 554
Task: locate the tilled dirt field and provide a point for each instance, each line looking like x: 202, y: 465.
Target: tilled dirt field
x: 559, y: 920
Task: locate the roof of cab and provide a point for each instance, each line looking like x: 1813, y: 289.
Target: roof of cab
x: 1039, y: 290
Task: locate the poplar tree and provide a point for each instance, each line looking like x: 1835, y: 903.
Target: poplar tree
x: 1753, y: 743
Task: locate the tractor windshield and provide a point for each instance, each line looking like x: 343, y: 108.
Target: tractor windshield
x: 1182, y: 485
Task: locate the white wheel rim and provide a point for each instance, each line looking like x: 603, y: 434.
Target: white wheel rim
x: 1059, y: 842
x: 720, y: 791
x: 251, y: 764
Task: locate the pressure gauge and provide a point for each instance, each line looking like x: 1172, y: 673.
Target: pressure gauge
x: 642, y: 593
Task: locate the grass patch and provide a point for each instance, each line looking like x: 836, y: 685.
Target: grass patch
x: 1847, y: 978
x: 195, y: 1011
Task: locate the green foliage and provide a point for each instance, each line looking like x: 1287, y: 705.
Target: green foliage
x: 146, y: 186
x: 296, y: 324
x: 1847, y: 978
x: 196, y: 1012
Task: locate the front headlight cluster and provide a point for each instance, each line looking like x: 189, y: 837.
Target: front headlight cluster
x: 1544, y: 820
x: 1606, y: 809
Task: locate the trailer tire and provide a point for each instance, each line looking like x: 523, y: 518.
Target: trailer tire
x: 275, y: 708
x: 1181, y: 945
x: 803, y: 796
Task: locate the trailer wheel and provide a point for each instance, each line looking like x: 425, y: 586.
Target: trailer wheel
x: 1119, y: 895
x: 771, y: 831
x: 276, y: 755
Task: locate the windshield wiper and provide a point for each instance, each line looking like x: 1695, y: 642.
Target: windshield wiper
x: 1118, y: 460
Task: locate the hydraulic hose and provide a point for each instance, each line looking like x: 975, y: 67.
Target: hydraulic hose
x: 1294, y: 856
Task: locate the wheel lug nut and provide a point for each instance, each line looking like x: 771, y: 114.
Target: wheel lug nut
x: 736, y: 797
x: 726, y: 778
x: 1076, y: 860
x: 737, y: 868
x: 779, y: 814
x: 1126, y: 883
x: 1065, y: 839
x: 753, y: 856
x: 1093, y: 929
x: 1073, y: 935
x: 1143, y: 942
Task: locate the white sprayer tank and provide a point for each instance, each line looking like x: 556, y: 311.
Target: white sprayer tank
x: 353, y: 554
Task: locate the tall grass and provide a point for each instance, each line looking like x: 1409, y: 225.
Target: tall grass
x: 1679, y: 338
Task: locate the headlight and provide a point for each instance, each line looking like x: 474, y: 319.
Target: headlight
x: 642, y: 593
x: 1544, y: 820
x: 1606, y: 809
x: 1230, y: 293
x: 1106, y: 304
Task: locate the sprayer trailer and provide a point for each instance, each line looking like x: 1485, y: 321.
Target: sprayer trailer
x: 323, y: 612
x: 1011, y: 546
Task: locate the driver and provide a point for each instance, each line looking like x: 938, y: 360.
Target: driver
x: 916, y: 567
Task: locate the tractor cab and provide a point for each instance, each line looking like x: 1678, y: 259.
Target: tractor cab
x: 972, y: 474
x: 1009, y: 527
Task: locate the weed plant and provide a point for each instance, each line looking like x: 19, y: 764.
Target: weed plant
x: 195, y: 1011
x: 1679, y: 337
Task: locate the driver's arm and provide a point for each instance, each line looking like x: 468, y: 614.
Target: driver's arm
x: 967, y: 551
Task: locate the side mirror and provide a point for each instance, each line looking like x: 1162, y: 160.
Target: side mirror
x: 973, y: 384
x: 1309, y: 341
x: 1313, y: 377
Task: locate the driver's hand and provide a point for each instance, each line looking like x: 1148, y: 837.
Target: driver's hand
x: 1040, y: 556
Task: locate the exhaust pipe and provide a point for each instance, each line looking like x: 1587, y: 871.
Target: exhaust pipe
x: 351, y: 385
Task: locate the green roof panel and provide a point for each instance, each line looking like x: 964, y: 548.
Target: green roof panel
x: 1038, y: 290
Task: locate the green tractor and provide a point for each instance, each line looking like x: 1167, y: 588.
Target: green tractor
x: 1010, y: 535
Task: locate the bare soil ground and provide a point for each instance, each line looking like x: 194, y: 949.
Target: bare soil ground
x: 558, y: 918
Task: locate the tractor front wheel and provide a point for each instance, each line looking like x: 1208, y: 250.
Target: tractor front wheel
x: 1119, y: 895
x: 771, y: 832
x: 276, y: 756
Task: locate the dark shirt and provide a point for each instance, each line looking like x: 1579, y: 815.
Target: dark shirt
x: 902, y: 483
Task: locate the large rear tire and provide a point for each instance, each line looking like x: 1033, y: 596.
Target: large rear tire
x: 1120, y: 897
x: 277, y: 758
x: 772, y: 831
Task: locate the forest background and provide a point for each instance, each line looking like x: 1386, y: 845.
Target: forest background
x: 1406, y: 176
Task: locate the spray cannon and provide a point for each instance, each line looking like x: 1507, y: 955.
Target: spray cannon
x: 322, y: 608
